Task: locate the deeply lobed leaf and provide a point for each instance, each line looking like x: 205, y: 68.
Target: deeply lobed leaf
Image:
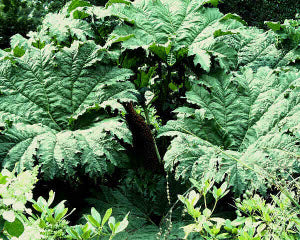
x: 244, y: 122
x: 163, y: 26
x: 46, y: 90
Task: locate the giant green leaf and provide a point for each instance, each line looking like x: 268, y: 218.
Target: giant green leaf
x: 56, y: 100
x: 256, y: 48
x: 167, y: 25
x: 61, y: 27
x: 245, y: 127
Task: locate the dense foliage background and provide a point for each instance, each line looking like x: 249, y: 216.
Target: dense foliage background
x: 22, y: 16
x: 257, y: 11
x: 144, y: 109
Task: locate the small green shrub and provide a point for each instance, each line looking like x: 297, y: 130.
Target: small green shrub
x: 18, y: 221
x: 256, y: 219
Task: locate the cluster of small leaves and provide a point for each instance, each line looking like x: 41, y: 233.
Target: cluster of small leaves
x: 275, y: 220
x: 20, y: 222
x: 95, y: 226
x: 52, y: 221
x: 16, y: 191
x: 208, y: 226
x: 256, y: 219
x: 123, y: 201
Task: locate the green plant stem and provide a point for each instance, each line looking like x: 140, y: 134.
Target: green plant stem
x: 214, y: 206
x: 155, y: 145
x: 204, y: 196
x: 150, y: 220
x: 171, y: 209
x: 166, y: 79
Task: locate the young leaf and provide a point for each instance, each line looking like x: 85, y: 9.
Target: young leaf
x: 123, y: 224
x: 111, y: 224
x: 73, y: 233
x: 60, y: 212
x: 193, y: 197
x: 86, y: 234
x: 51, y: 198
x: 36, y: 207
x: 207, y: 212
x: 15, y: 228
x: 106, y: 216
x: 3, y: 179
x: 92, y: 221
x: 50, y: 219
x: 96, y: 215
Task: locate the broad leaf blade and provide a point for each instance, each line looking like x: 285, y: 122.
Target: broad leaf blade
x: 44, y: 91
x: 181, y: 23
x: 247, y: 129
